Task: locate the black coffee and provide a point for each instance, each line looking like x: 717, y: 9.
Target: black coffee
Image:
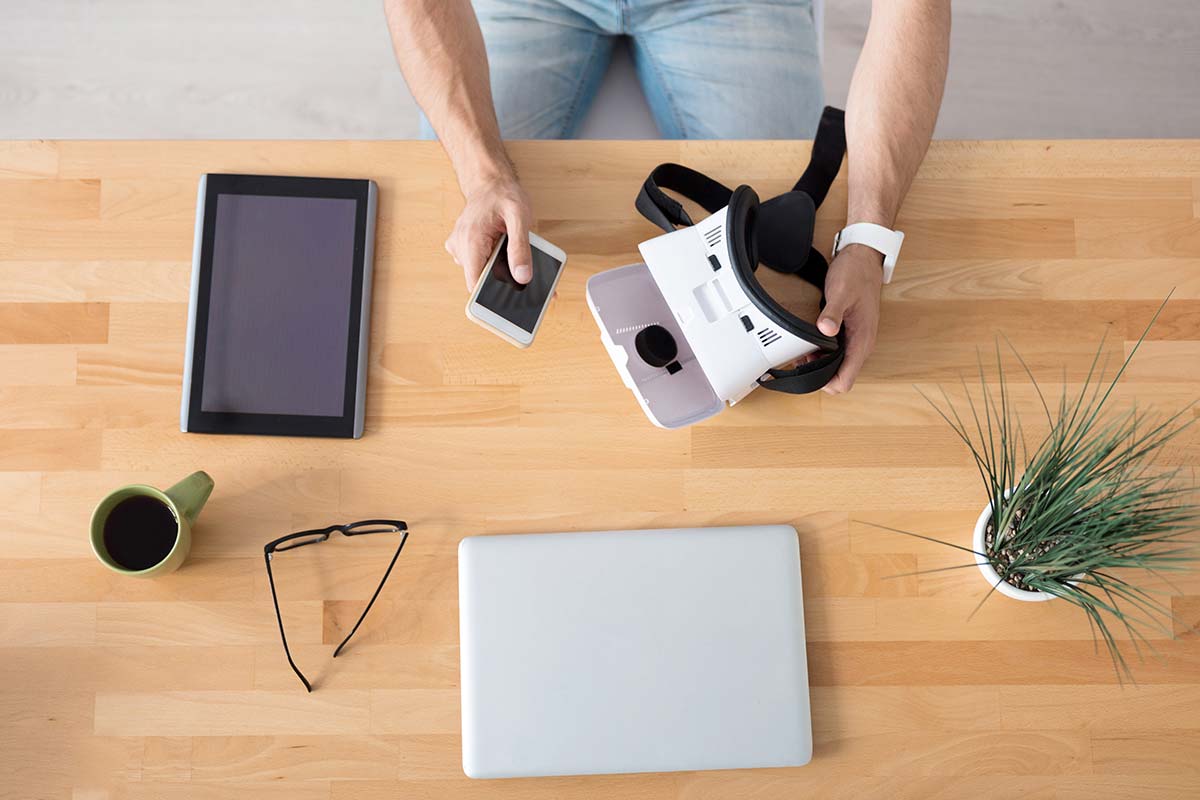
x: 139, y: 532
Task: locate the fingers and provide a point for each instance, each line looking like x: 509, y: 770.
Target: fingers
x: 471, y: 254
x: 830, y: 321
x: 490, y: 212
x: 520, y: 260
x: 859, y: 344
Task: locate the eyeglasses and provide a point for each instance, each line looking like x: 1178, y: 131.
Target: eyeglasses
x: 302, y: 538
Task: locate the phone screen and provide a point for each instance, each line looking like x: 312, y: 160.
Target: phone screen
x: 520, y: 304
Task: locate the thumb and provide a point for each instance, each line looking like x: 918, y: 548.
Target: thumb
x: 520, y: 261
x: 830, y: 321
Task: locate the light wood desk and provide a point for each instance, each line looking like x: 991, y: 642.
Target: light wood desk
x: 177, y: 688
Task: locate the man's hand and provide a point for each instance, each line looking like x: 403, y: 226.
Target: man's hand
x: 890, y: 114
x: 494, y: 207
x: 852, y: 300
x: 441, y: 52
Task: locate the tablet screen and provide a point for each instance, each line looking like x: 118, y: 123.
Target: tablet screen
x: 280, y: 304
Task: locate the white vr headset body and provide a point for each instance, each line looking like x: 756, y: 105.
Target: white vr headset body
x: 725, y: 342
x: 691, y: 329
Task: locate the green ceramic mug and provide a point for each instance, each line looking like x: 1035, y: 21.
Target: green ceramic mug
x: 142, y: 531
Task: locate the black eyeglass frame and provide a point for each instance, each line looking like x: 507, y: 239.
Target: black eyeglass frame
x: 316, y: 536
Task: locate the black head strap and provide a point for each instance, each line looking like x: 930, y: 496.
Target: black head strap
x: 829, y: 146
x: 666, y: 212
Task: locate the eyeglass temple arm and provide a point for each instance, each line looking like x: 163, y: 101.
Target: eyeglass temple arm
x: 282, y: 635
x: 378, y: 589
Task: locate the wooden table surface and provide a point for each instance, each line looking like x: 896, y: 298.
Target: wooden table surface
x: 177, y: 687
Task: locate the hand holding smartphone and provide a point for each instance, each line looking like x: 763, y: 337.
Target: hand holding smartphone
x: 511, y: 310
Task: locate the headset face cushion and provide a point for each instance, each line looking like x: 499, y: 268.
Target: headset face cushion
x: 785, y: 231
x: 744, y: 233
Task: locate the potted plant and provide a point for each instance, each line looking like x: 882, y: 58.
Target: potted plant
x: 1072, y: 516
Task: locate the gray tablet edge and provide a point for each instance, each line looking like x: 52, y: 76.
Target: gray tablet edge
x: 192, y: 296
x: 364, y: 317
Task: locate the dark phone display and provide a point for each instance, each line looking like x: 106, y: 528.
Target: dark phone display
x: 519, y: 304
x: 279, y: 310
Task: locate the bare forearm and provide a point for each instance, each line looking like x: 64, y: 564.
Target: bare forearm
x: 440, y: 51
x: 893, y: 104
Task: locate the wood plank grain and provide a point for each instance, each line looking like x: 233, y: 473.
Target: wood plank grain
x: 1187, y: 614
x: 47, y: 624
x: 291, y: 757
x: 610, y: 787
x: 442, y: 449
x: 137, y: 364
x: 415, y: 711
x: 1105, y: 710
x: 1169, y: 753
x: 20, y: 491
x: 867, y: 575
x: 799, y: 488
x: 49, y: 199
x: 202, y: 623
x: 839, y: 712
x: 41, y: 449
x: 50, y: 671
x: 1137, y: 238
x: 167, y: 758
x: 825, y: 445
x: 25, y: 365
x: 28, y: 159
x: 50, y: 580
x: 1048, y: 198
x: 420, y: 406
x: 216, y: 713
x: 53, y: 323
x: 38, y: 407
x: 142, y: 323
x: 1157, y: 359
x: 957, y: 753
x: 406, y: 665
x: 76, y: 281
x: 971, y: 662
x: 153, y: 788
x: 90, y: 239
x: 1051, y: 279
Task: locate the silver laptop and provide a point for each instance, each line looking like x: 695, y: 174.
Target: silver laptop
x: 632, y: 651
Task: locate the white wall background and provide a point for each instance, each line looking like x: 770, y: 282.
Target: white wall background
x: 324, y: 69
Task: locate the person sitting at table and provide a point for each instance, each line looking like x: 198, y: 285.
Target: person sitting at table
x: 710, y: 69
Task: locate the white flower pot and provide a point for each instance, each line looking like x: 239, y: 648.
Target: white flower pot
x: 990, y: 575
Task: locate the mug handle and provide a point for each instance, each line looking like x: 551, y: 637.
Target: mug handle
x: 190, y: 494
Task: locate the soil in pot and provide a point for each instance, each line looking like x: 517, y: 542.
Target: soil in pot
x: 1009, y: 552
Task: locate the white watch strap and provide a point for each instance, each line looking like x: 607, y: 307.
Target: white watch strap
x: 876, y: 237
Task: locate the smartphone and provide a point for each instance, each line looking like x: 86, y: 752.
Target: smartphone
x: 511, y: 310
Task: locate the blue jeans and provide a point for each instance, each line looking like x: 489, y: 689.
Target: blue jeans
x: 710, y: 69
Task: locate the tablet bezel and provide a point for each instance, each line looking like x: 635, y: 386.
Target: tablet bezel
x: 350, y: 423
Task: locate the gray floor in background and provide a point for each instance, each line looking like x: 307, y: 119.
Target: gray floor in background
x: 324, y: 69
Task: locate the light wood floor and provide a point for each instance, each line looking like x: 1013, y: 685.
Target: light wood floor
x: 114, y: 688
x: 313, y: 69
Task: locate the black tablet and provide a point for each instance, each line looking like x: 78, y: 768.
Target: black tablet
x: 280, y: 305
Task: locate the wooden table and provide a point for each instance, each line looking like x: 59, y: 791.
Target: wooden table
x: 177, y: 687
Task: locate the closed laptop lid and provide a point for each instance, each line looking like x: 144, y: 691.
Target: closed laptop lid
x: 632, y: 651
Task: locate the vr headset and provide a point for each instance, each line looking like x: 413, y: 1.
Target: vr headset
x: 692, y: 328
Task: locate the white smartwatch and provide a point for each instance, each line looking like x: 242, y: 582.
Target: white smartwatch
x: 876, y: 237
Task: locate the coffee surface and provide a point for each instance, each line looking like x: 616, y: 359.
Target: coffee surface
x: 139, y: 532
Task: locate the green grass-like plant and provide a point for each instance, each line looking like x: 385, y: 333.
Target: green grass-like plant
x: 1074, y: 514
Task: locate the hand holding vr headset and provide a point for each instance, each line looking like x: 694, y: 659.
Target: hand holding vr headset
x: 892, y: 107
x: 852, y: 288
